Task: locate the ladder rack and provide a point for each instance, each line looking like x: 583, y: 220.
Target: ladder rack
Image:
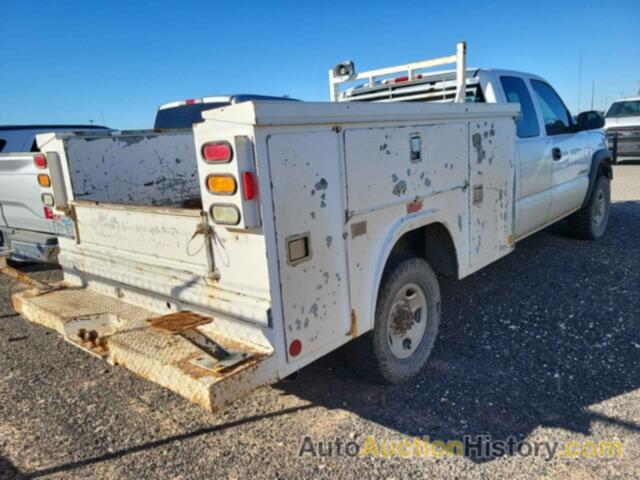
x: 345, y: 72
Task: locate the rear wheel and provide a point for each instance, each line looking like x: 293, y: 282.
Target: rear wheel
x: 590, y: 222
x: 406, y: 323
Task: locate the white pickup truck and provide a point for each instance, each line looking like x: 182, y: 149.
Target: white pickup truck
x: 305, y: 226
x: 25, y: 222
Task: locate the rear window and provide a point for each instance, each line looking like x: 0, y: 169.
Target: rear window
x: 3, y: 142
x: 626, y: 108
x: 183, y: 116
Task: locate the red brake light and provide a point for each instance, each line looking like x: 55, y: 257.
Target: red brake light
x: 189, y: 101
x: 48, y: 213
x: 40, y: 161
x: 217, y: 152
x: 249, y: 187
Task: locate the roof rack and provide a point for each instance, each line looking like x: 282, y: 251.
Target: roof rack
x: 345, y: 72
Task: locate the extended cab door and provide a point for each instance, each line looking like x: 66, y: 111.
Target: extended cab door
x: 533, y: 169
x: 569, y: 151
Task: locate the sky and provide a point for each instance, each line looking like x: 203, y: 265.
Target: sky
x: 114, y: 62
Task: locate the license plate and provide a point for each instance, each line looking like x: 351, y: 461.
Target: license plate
x: 63, y: 226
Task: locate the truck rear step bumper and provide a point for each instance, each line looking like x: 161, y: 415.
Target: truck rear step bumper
x: 122, y: 334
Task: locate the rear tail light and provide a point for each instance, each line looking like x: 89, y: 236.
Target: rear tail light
x: 225, y: 214
x: 48, y: 213
x: 249, y: 187
x: 222, y: 184
x: 47, y: 199
x: 190, y: 101
x: 44, y: 180
x: 218, y: 152
x: 40, y: 161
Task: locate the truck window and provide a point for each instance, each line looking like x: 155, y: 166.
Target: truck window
x: 516, y: 92
x: 183, y: 116
x: 3, y: 142
x: 555, y: 115
x: 626, y: 108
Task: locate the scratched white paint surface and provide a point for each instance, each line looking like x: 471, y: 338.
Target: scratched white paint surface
x: 144, y: 168
x: 491, y: 160
x: 388, y: 175
x: 308, y: 197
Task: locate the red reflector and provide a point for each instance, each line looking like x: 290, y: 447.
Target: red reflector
x: 413, y: 207
x: 40, y: 161
x: 295, y: 348
x: 406, y: 78
x: 48, y: 213
x: 217, y: 152
x: 189, y: 101
x: 249, y: 187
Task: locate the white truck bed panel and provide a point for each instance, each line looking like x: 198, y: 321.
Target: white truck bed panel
x: 138, y: 167
x: 308, y: 203
x: 492, y: 191
x: 380, y: 171
x: 163, y: 235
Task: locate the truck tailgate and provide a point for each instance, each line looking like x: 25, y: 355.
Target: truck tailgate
x: 20, y: 203
x: 127, y: 248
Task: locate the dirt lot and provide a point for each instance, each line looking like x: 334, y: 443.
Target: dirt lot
x: 543, y: 346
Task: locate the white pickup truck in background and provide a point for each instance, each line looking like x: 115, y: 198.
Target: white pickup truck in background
x: 25, y: 220
x: 623, y: 128
x: 306, y: 226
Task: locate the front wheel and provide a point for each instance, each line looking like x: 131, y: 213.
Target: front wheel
x: 406, y: 323
x: 590, y: 222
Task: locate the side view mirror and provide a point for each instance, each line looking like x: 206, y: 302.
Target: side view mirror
x: 590, y: 120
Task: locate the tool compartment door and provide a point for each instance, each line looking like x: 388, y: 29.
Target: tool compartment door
x: 308, y: 201
x: 491, y: 196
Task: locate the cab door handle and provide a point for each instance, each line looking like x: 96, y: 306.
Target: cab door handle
x: 556, y: 153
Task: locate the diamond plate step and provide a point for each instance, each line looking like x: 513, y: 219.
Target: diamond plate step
x: 123, y: 334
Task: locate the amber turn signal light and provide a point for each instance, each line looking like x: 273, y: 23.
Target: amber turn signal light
x: 222, y: 184
x: 44, y: 180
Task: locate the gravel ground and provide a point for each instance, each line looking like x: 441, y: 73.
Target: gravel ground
x: 541, y: 346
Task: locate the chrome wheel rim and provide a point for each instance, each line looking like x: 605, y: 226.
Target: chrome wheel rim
x: 407, y: 320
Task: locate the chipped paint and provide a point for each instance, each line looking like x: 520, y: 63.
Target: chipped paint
x: 156, y: 169
x: 400, y: 188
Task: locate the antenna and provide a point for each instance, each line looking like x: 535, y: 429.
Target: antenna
x: 579, y: 79
x: 593, y: 92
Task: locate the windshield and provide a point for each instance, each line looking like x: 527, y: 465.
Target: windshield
x: 183, y: 116
x: 625, y: 108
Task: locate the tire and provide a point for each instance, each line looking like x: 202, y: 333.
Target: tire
x: 406, y: 323
x: 590, y: 222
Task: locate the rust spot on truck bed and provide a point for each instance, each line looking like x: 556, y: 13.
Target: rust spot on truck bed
x: 178, y: 322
